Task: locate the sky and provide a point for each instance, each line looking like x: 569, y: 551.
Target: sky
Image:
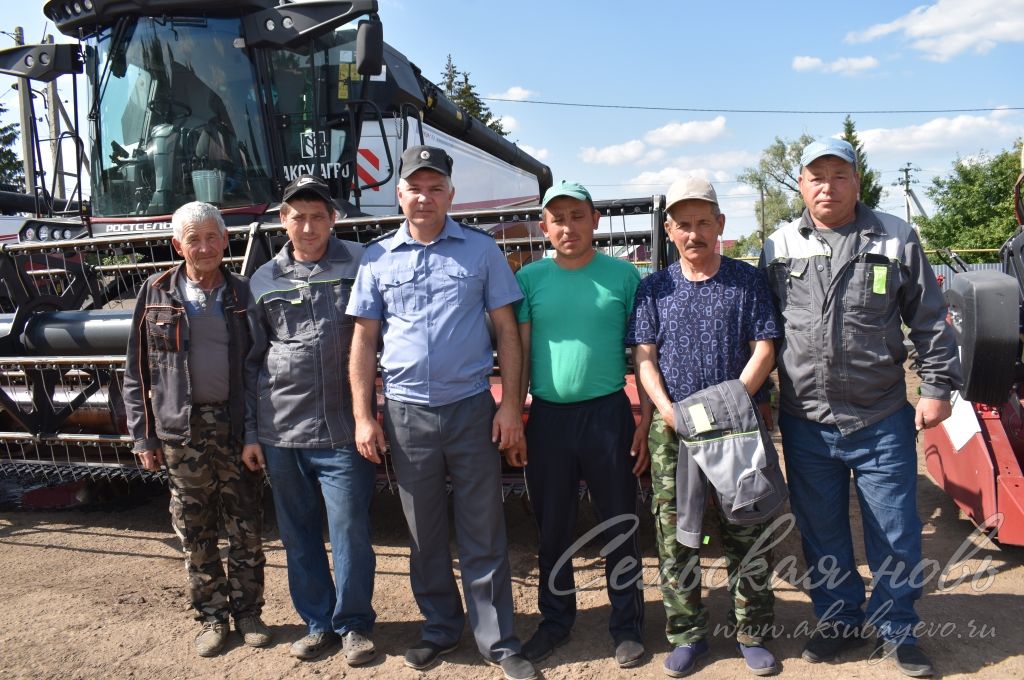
x: 926, y: 83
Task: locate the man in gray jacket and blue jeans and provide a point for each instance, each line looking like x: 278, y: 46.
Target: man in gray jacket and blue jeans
x: 847, y: 278
x: 299, y: 424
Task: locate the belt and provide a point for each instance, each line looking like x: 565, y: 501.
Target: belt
x: 576, y: 404
x: 211, y: 406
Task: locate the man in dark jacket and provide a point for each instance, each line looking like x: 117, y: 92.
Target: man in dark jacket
x: 299, y: 423
x: 184, y: 397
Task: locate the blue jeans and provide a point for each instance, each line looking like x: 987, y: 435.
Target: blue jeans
x: 883, y: 460
x: 346, y: 481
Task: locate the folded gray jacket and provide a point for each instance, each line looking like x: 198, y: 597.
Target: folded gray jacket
x: 723, y: 442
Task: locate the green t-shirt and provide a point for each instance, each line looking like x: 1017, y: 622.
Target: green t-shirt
x: 578, y: 317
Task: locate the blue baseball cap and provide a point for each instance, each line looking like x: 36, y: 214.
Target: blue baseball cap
x: 570, y: 189
x: 829, y: 146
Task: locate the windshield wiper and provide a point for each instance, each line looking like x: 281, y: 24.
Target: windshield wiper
x: 117, y: 58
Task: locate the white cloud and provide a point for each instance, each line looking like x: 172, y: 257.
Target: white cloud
x: 948, y: 28
x: 515, y: 93
x: 666, y: 176
x: 958, y: 132
x: 690, y: 131
x: 652, y: 156
x: 672, y: 134
x: 1002, y: 112
x: 845, y: 66
x: 539, y: 154
x: 509, y: 123
x: 616, y: 154
x: 723, y: 160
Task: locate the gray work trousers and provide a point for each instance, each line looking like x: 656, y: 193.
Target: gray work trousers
x: 429, y: 444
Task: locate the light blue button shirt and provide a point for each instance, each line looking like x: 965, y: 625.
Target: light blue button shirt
x: 430, y: 300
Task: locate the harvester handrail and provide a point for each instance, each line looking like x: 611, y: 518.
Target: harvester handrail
x: 108, y: 359
x: 60, y: 438
x: 608, y: 208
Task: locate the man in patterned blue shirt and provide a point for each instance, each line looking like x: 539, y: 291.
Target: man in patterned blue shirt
x: 703, y: 320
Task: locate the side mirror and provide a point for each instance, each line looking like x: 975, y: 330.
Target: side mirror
x: 42, y: 63
x: 370, y: 47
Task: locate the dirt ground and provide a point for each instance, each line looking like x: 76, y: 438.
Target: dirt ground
x: 102, y: 594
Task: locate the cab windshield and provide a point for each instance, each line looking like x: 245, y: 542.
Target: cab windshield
x: 309, y: 97
x: 178, y: 118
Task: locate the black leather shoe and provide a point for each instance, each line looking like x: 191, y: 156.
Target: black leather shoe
x: 629, y: 653
x: 516, y: 667
x: 909, y: 659
x: 829, y: 640
x: 542, y: 644
x: 425, y: 654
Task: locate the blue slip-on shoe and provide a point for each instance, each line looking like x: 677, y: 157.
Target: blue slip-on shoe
x: 759, y: 660
x: 683, y: 660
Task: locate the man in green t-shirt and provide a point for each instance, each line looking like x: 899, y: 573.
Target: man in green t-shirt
x: 572, y: 322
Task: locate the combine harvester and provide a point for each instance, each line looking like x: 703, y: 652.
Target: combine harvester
x: 222, y: 101
x: 977, y: 456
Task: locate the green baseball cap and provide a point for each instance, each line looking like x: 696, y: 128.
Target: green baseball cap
x: 570, y: 189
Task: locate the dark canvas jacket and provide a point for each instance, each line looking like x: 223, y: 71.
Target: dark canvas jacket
x: 157, y: 388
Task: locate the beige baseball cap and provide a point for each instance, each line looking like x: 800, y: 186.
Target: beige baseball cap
x: 690, y: 188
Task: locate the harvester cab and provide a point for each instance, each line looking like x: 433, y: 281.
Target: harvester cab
x: 215, y: 101
x: 227, y: 102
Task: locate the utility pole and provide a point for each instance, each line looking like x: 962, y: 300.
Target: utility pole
x: 764, y: 229
x: 908, y: 193
x: 52, y: 111
x: 25, y: 103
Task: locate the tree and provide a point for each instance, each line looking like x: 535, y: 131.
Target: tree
x: 974, y: 204
x: 459, y: 89
x: 745, y: 246
x: 775, y: 178
x: 870, y: 189
x: 12, y: 176
x: 449, y: 77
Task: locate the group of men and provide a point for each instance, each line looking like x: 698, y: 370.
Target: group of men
x: 227, y: 378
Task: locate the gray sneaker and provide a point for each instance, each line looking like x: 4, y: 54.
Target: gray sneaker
x: 313, y: 645
x: 358, y: 648
x: 211, y: 638
x: 253, y: 631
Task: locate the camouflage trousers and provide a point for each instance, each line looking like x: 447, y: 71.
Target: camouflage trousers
x: 211, y: 487
x: 679, y: 569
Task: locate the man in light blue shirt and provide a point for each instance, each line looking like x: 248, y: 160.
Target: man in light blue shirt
x: 425, y: 288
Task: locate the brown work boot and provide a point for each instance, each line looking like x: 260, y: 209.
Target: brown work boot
x: 253, y: 631
x: 211, y: 638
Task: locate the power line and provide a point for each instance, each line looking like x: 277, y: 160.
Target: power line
x: 636, y: 107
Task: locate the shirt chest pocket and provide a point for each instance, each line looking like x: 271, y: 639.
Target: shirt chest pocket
x: 163, y: 332
x: 460, y: 284
x: 398, y: 287
x: 871, y: 285
x: 289, y: 313
x: 791, y: 283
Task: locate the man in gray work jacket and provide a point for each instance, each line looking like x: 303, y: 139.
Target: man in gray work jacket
x: 847, y: 279
x: 299, y: 423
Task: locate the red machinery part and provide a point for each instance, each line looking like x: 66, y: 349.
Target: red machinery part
x: 984, y: 475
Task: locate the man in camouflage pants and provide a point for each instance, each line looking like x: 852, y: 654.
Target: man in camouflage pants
x: 185, y: 400
x: 703, y: 320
